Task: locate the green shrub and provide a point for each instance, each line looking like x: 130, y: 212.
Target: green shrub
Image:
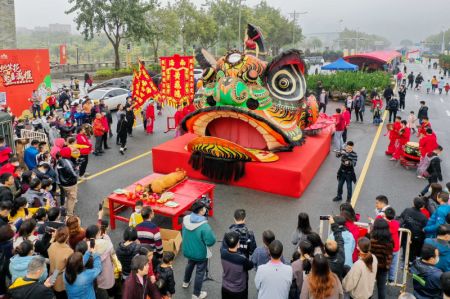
x: 349, y: 82
x: 444, y: 61
x: 111, y: 73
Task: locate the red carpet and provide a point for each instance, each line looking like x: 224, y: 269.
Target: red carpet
x: 289, y: 176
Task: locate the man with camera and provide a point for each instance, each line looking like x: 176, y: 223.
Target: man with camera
x: 197, y: 237
x: 346, y: 173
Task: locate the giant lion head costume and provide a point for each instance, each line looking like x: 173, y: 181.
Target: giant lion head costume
x: 247, y: 109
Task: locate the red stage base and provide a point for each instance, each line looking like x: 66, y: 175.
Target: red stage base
x: 289, y: 176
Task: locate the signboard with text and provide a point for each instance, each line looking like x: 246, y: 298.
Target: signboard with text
x: 21, y: 72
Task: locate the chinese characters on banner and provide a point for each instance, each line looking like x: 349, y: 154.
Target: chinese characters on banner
x: 177, y: 79
x: 12, y: 74
x: 143, y: 87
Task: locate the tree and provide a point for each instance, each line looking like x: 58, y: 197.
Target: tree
x: 188, y: 16
x: 406, y: 43
x: 207, y: 29
x: 315, y: 43
x: 162, y: 25
x: 118, y: 19
x: 352, y: 39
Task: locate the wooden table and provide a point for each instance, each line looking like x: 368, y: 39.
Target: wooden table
x: 186, y: 193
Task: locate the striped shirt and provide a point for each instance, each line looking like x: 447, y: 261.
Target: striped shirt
x: 148, y: 234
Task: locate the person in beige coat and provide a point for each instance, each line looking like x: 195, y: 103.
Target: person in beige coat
x: 58, y: 253
x: 360, y: 280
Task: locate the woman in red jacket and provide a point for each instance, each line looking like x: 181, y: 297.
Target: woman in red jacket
x: 99, y: 130
x: 85, y: 149
x: 150, y: 116
x: 105, y: 134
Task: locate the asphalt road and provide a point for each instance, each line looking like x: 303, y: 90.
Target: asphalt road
x: 268, y: 211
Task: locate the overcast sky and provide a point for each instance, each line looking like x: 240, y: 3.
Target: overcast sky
x: 394, y: 19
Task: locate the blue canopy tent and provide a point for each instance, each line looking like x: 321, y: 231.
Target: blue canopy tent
x: 340, y: 65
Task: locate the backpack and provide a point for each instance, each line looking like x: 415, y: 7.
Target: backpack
x: 393, y: 104
x: 244, y: 240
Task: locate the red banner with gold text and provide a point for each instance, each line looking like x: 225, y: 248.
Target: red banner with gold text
x: 177, y: 79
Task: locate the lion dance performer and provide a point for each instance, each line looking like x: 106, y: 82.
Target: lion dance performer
x: 393, y: 135
x: 403, y: 138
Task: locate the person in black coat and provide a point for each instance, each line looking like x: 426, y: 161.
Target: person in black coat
x: 335, y: 249
x: 388, y: 93
x: 434, y: 169
x: 423, y: 111
x: 402, y: 96
x: 414, y: 220
x: 129, y: 115
x: 127, y: 249
x: 122, y: 132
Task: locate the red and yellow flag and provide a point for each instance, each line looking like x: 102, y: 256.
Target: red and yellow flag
x: 177, y: 79
x: 143, y: 87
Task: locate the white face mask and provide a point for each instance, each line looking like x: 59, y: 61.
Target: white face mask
x: 137, y: 210
x: 437, y: 260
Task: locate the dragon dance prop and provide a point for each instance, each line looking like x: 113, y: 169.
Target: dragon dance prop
x: 143, y: 87
x: 247, y: 109
x: 177, y: 79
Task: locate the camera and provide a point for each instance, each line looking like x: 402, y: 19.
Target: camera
x: 345, y: 161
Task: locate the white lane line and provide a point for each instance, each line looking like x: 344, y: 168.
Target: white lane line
x: 442, y: 100
x: 448, y: 112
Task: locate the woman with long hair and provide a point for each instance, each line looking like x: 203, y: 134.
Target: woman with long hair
x: 382, y: 247
x: 76, y: 232
x: 360, y: 280
x: 58, y: 253
x: 321, y: 283
x: 78, y: 280
x: 351, y: 217
x: 19, y: 210
x: 303, y: 229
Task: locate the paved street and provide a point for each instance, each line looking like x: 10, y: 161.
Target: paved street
x: 267, y: 211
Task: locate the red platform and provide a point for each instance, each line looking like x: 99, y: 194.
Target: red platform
x: 289, y: 176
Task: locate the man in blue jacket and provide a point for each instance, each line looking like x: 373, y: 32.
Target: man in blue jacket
x: 29, y: 156
x: 441, y: 243
x: 438, y: 217
x: 197, y: 237
x: 426, y: 276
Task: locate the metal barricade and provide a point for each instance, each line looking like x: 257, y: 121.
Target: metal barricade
x: 30, y: 135
x: 403, y: 231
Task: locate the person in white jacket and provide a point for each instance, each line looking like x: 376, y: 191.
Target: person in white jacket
x: 360, y: 280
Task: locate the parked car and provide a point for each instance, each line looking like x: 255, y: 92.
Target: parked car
x: 112, y: 96
x: 121, y: 82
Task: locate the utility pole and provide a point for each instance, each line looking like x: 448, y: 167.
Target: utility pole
x: 295, y: 15
x: 240, y: 13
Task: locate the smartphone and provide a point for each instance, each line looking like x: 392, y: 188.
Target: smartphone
x: 54, y: 276
x: 324, y: 217
x: 100, y: 206
x: 92, y: 243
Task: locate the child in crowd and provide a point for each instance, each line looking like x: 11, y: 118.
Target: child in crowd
x: 149, y: 253
x: 377, y: 115
x: 412, y: 119
x: 46, y: 187
x: 428, y: 86
x: 164, y: 273
x: 136, y: 217
x: 447, y: 88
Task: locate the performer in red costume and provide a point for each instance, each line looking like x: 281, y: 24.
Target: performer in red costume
x: 393, y: 135
x: 403, y: 138
x: 427, y: 143
x: 178, y: 118
x: 423, y: 127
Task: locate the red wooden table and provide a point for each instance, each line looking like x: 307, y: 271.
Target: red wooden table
x: 186, y: 193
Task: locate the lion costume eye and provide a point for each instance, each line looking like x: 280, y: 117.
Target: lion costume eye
x: 284, y: 78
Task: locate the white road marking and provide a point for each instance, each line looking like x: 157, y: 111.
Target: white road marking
x: 442, y: 100
x: 448, y: 112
